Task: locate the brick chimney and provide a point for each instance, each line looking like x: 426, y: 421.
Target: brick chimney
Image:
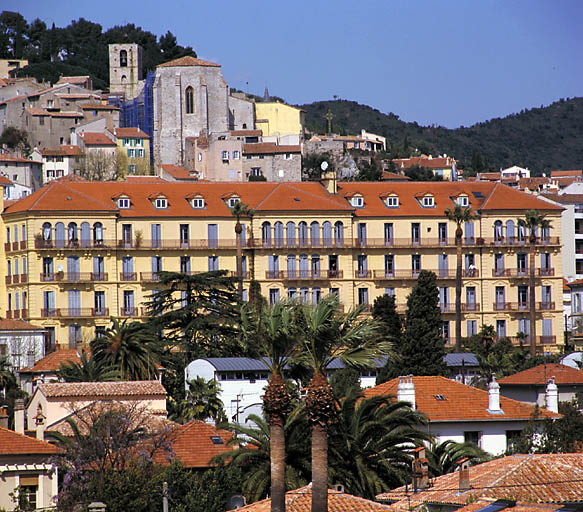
x: 552, y: 396
x: 406, y: 390
x: 420, y: 466
x: 19, y: 416
x: 494, y: 397
x: 4, y: 416
x: 464, y: 471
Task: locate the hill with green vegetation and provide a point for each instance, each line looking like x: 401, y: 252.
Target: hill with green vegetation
x: 541, y: 139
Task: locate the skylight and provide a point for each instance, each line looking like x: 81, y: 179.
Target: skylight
x: 216, y: 440
x: 439, y: 397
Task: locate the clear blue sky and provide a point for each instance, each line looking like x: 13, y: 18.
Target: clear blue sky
x: 441, y: 62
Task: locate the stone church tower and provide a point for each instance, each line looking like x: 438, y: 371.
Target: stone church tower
x: 125, y: 69
x: 191, y: 98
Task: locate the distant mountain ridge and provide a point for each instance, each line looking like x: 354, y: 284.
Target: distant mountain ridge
x: 541, y: 139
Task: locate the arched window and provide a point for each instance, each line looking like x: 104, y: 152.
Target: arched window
x: 123, y: 58
x: 290, y: 229
x: 327, y: 234
x: 545, y: 233
x: 189, y: 98
x: 47, y: 231
x: 278, y: 234
x: 521, y: 232
x: 60, y: 235
x: 98, y: 233
x: 303, y: 234
x: 510, y: 231
x: 72, y: 236
x: 498, y: 231
x: 315, y: 234
x: 266, y: 234
x: 338, y: 233
x: 85, y: 235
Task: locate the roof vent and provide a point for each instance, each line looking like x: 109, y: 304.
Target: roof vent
x: 439, y: 397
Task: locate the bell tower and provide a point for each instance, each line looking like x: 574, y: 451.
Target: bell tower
x: 125, y: 69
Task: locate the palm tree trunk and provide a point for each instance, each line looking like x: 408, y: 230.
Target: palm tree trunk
x: 277, y: 447
x: 238, y: 231
x: 531, y: 299
x: 319, y: 469
x: 458, y: 294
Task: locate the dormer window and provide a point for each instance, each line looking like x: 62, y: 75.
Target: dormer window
x: 428, y: 202
x: 232, y: 201
x: 161, y: 203
x: 463, y: 201
x: 358, y: 201
x: 393, y: 201
x: 123, y: 202
x: 198, y: 202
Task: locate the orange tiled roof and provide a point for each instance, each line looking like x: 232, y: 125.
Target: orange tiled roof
x: 193, y: 446
x: 388, y: 176
x: 300, y: 500
x: 539, y: 375
x: 558, y: 174
x: 5, y: 181
x: 424, y: 161
x: 80, y: 79
x: 512, y: 507
x: 98, y: 106
x: 13, y: 443
x: 462, y: 402
x: 102, y: 389
x: 538, y: 478
x: 7, y: 324
x: 246, y: 133
x: 268, y: 148
x: 38, y: 112
x: 188, y: 61
x: 96, y: 139
x: 66, y: 114
x: 9, y: 158
x: 67, y: 150
x: 52, y: 362
x: 131, y: 132
x: 178, y: 172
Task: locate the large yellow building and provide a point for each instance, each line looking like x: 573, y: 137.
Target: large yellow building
x: 274, y: 118
x: 133, y: 151
x: 76, y: 253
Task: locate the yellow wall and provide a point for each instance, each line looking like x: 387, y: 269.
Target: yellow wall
x: 278, y: 119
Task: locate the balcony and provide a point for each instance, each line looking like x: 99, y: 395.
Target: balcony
x: 149, y: 277
x: 74, y: 312
x: 73, y: 277
x: 284, y: 243
x: 128, y: 276
x: 15, y: 246
x: 17, y: 313
x: 523, y: 306
x: 131, y: 312
x: 403, y: 242
x: 304, y: 275
x: 466, y: 308
x: 41, y: 244
x: 516, y: 241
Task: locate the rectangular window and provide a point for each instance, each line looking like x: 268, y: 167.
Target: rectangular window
x: 471, y: 328
x: 185, y: 264
x: 501, y: 328
x: 156, y: 230
x: 415, y: 264
x: 225, y: 156
x: 161, y: 203
x: 273, y: 295
x: 123, y: 202
x: 99, y: 303
x: 390, y: 292
x: 127, y: 268
x: 389, y: 265
x: 415, y: 233
x: 128, y: 303
x: 442, y: 232
x: 236, y: 155
x: 362, y: 266
x: 292, y: 293
x: 213, y: 263
x: 156, y: 266
x: 389, y: 233
x: 473, y: 436
x: 363, y: 296
x: 445, y: 331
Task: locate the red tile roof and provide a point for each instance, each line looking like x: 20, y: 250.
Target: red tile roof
x: 188, y: 61
x: 300, y: 500
x: 246, y: 133
x: 7, y: 324
x: 52, y: 362
x: 131, y: 132
x: 178, y: 172
x: 389, y: 176
x: 13, y: 443
x: 539, y: 375
x: 539, y: 478
x: 9, y: 158
x: 5, y: 181
x: 67, y: 150
x: 268, y: 148
x: 96, y: 139
x: 80, y: 79
x: 462, y: 402
x: 102, y: 389
x: 512, y: 507
x: 424, y: 161
x: 557, y: 174
x: 193, y: 446
x: 66, y: 114
x: 98, y: 106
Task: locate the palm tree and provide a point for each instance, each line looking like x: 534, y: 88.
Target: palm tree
x: 274, y: 334
x: 254, y: 455
x: 87, y: 370
x: 444, y: 457
x: 460, y: 216
x: 130, y: 348
x: 239, y: 210
x: 202, y: 402
x: 329, y: 334
x: 370, y: 444
x: 532, y: 221
x: 7, y: 378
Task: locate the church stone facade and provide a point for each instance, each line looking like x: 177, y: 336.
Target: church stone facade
x: 125, y: 70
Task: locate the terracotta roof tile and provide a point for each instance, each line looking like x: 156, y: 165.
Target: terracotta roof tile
x: 542, y: 373
x: 188, y: 61
x: 539, y: 478
x: 462, y: 402
x: 518, y: 507
x: 9, y: 158
x: 96, y: 139
x: 80, y: 79
x: 246, y: 133
x: 388, y: 176
x: 13, y: 443
x: 67, y: 150
x: 193, y: 445
x: 98, y: 106
x: 131, y: 132
x: 424, y: 161
x: 300, y: 500
x: 178, y: 172
x: 7, y: 324
x: 102, y: 389
x: 66, y: 114
x: 557, y: 174
x: 5, y: 181
x: 52, y: 362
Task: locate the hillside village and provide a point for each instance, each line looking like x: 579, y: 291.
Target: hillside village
x: 189, y: 269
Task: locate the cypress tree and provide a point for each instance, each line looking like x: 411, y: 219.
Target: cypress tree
x: 384, y: 310
x: 422, y: 348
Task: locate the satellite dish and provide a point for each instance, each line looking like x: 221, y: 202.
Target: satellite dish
x: 235, y: 501
x: 59, y: 268
x: 324, y: 165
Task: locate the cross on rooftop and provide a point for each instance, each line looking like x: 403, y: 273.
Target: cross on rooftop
x: 329, y: 116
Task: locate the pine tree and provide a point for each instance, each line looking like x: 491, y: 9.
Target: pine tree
x: 422, y: 348
x: 384, y: 310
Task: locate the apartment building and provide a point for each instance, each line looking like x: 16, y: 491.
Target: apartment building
x: 80, y: 252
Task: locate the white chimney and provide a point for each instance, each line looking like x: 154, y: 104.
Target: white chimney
x: 494, y: 396
x: 19, y: 416
x: 552, y: 396
x: 406, y: 390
